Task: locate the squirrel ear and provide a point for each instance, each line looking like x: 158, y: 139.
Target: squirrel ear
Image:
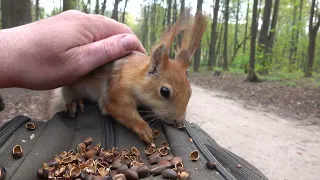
x: 158, y: 59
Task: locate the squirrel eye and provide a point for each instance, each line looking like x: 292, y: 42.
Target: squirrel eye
x: 165, y: 92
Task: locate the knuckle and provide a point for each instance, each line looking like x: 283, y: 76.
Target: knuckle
x: 110, y: 49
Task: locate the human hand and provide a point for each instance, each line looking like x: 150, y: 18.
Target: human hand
x: 56, y: 51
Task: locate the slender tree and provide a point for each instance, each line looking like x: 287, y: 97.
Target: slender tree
x: 313, y: 29
x: 115, y: 10
x: 103, y: 8
x: 69, y: 4
x: 252, y: 77
x: 182, y: 4
x: 96, y: 9
x: 169, y: 9
x: 225, y: 37
x: 212, y: 53
x: 124, y: 11
x: 197, y: 54
x: 246, y: 27
x: 37, y: 10
x: 236, y: 31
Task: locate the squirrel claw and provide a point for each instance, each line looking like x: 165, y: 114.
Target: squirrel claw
x: 81, y: 106
x: 145, y: 133
x: 71, y: 109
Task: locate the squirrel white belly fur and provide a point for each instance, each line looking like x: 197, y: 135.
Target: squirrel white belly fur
x: 155, y: 81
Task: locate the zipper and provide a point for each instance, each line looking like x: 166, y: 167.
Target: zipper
x: 207, y: 153
x: 109, y: 132
x: 10, y: 127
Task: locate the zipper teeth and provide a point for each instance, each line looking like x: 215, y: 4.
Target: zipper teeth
x: 109, y: 133
x: 207, y: 153
x: 12, y: 126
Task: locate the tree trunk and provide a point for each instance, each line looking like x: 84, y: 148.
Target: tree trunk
x: 103, y: 8
x: 115, y: 10
x: 213, y: 41
x: 252, y: 77
x: 69, y: 4
x: 182, y: 4
x: 236, y: 32
x: 37, y: 10
x: 5, y: 14
x: 246, y: 30
x: 145, y: 32
x: 20, y: 12
x: 96, y: 9
x: 263, y: 37
x: 298, y: 32
x: 292, y: 42
x: 313, y: 29
x: 273, y: 25
x: 225, y: 39
x: 219, y: 42
x: 124, y: 11
x: 169, y: 2
x: 197, y: 54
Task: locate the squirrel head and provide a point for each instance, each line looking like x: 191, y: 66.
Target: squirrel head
x: 167, y: 91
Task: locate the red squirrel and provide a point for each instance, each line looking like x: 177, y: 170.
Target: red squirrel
x: 155, y: 81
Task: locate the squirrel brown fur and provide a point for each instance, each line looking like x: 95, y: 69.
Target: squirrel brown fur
x: 155, y: 81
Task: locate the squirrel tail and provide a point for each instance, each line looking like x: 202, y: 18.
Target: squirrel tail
x: 54, y: 104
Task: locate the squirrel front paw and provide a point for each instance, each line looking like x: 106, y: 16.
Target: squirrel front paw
x: 144, y: 132
x: 72, y: 108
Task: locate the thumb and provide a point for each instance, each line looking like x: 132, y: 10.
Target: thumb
x: 98, y: 53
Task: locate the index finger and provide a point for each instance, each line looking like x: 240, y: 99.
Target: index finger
x: 103, y: 27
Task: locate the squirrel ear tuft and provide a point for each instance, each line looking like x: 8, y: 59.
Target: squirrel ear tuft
x: 158, y: 59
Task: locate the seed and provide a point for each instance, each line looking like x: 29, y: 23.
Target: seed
x: 211, y: 165
x: 122, y: 169
x: 81, y: 148
x: 166, y: 163
x: 120, y: 176
x: 156, y: 170
x: 169, y: 174
x: 135, y: 151
x: 156, y: 134
x: 3, y: 173
x: 143, y: 171
x: 183, y: 176
x: 176, y: 160
x: 190, y: 140
x: 117, y: 162
x: 89, y: 154
x: 131, y: 174
x: 30, y: 126
x: 17, y: 152
x: 194, y: 155
x: 88, y: 141
x: 167, y: 157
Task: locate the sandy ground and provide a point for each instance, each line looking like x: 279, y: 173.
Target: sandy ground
x: 280, y: 148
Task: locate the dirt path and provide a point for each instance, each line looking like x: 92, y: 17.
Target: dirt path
x: 281, y: 149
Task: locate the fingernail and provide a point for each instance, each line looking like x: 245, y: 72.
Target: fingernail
x: 128, y: 43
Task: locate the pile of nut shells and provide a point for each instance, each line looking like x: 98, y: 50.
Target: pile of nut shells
x: 90, y: 161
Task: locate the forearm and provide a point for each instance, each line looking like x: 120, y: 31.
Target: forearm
x: 8, y: 54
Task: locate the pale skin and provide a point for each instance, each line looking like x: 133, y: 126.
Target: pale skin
x: 56, y: 51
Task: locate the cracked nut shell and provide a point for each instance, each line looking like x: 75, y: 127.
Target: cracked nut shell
x: 194, y: 155
x: 3, y: 173
x: 17, y: 152
x: 30, y: 126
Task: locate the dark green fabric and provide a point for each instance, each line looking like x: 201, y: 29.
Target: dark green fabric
x: 61, y: 133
